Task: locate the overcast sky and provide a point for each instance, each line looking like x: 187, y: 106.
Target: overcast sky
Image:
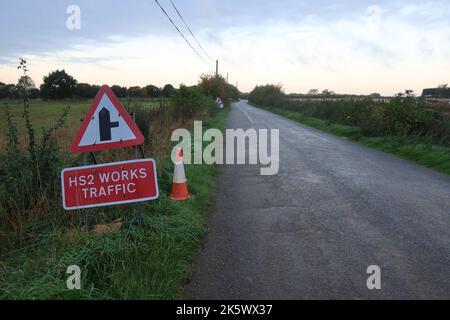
x: 347, y: 46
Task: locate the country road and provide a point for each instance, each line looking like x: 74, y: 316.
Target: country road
x: 311, y: 231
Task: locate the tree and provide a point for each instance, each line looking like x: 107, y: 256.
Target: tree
x: 232, y: 92
x: 58, y: 85
x: 327, y: 92
x: 120, y: 92
x: 190, y: 102
x: 271, y: 95
x: 24, y: 85
x: 134, y: 92
x: 143, y: 93
x: 313, y: 92
x: 152, y: 91
x: 34, y: 93
x: 84, y: 91
x: 94, y: 89
x: 9, y: 91
x: 409, y: 93
x: 3, y: 91
x: 167, y: 90
x: 214, y: 86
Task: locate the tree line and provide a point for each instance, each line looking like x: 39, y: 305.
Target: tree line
x: 59, y: 84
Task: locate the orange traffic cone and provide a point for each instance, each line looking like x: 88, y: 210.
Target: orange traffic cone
x: 179, y: 186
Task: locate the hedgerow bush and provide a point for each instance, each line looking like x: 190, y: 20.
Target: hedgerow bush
x: 190, y: 102
x: 215, y: 86
x: 404, y: 116
x: 269, y: 95
x: 28, y: 177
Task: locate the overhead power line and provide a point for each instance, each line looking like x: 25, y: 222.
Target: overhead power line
x: 181, y: 33
x: 190, y: 31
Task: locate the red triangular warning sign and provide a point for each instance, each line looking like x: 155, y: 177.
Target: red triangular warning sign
x: 107, y: 125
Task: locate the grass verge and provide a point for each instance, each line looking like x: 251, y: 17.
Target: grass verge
x: 431, y: 156
x: 149, y: 257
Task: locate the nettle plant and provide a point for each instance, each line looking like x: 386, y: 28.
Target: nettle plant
x: 28, y: 176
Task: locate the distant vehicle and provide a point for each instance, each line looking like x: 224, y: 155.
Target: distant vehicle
x: 437, y: 96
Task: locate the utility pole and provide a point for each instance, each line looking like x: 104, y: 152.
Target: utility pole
x: 217, y: 68
x: 227, y: 77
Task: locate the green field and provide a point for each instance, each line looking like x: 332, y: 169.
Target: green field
x: 45, y: 113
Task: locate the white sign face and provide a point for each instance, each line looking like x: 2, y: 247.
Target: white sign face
x: 107, y: 126
x: 118, y: 129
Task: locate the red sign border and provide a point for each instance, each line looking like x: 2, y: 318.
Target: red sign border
x: 75, y: 148
x: 109, y: 203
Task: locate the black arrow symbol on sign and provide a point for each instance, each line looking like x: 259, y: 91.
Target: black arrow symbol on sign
x: 106, y: 125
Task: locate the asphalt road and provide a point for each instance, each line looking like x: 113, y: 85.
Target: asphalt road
x: 311, y: 231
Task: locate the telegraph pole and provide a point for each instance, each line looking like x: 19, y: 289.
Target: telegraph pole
x: 217, y: 68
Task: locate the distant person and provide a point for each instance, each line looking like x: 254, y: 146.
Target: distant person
x: 219, y: 103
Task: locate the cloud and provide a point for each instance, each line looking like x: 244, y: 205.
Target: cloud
x: 381, y: 48
x: 347, y: 54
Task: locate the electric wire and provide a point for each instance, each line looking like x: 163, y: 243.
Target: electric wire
x: 189, y: 29
x: 175, y: 26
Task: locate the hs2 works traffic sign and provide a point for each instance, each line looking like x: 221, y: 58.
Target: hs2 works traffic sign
x: 109, y: 184
x: 107, y: 125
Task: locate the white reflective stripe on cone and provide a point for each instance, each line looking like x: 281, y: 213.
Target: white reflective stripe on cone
x: 179, y: 175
